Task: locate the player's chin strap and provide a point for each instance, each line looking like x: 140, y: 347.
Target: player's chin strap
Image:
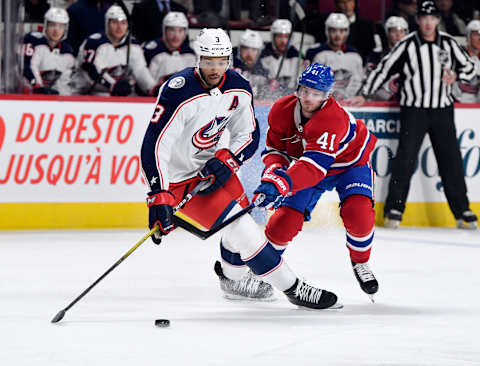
x: 206, y: 234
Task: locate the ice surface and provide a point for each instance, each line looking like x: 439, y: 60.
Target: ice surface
x: 427, y: 311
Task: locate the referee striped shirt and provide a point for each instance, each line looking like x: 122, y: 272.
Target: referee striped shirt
x: 420, y: 65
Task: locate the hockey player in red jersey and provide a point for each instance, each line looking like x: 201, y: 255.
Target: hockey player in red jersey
x: 314, y: 145
x: 185, y: 144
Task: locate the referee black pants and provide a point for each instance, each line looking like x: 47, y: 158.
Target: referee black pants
x: 440, y: 125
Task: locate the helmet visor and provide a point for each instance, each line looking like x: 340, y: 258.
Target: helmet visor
x: 314, y: 94
x: 208, y: 63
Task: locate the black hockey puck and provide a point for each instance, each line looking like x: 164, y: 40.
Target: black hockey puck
x: 162, y: 323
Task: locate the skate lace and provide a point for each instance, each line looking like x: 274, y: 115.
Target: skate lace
x: 308, y: 293
x: 248, y: 285
x: 364, y: 272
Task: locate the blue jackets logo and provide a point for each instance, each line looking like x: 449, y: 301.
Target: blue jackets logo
x: 210, y: 134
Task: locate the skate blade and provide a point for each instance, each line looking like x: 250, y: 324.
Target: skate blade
x: 391, y: 224
x: 335, y: 306
x: 372, y: 298
x: 238, y: 298
x: 467, y: 225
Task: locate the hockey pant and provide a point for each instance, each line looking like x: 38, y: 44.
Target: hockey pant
x: 243, y: 245
x: 354, y: 187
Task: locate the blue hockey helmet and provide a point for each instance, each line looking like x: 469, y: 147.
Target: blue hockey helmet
x: 317, y: 76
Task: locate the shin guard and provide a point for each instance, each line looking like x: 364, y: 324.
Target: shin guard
x: 283, y: 226
x: 358, y: 218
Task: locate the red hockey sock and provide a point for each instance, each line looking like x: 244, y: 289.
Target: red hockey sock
x: 284, y: 224
x: 358, y: 218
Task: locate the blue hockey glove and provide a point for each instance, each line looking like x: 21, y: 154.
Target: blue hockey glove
x: 218, y: 170
x: 275, y: 185
x: 160, y: 212
x: 121, y: 88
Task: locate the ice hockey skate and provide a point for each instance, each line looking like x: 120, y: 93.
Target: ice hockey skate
x: 304, y: 295
x: 392, y: 219
x: 366, y: 279
x: 249, y: 287
x: 467, y: 221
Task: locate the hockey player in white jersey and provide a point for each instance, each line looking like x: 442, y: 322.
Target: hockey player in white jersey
x: 469, y: 92
x: 112, y: 62
x: 171, y: 53
x: 246, y: 61
x: 344, y: 60
x: 272, y: 55
x: 181, y: 149
x: 48, y: 60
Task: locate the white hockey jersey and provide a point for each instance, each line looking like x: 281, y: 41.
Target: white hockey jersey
x: 162, y: 62
x: 188, y: 122
x: 101, y: 64
x: 347, y: 65
x: 47, y: 67
x: 469, y: 92
x: 271, y: 61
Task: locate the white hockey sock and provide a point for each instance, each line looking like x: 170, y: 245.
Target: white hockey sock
x: 233, y: 272
x: 281, y: 277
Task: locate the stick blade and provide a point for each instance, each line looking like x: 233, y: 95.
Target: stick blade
x: 58, y: 317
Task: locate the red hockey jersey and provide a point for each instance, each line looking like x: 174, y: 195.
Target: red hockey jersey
x: 329, y: 143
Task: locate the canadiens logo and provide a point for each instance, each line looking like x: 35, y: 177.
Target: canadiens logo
x: 210, y: 134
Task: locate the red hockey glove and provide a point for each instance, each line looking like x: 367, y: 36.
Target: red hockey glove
x: 160, y: 212
x: 218, y: 170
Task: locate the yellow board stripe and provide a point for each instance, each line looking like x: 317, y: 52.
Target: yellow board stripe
x: 425, y: 214
x: 75, y: 215
x: 95, y: 215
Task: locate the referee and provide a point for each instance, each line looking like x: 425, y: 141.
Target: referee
x: 428, y: 62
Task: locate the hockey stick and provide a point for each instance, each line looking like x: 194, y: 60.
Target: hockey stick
x: 284, y: 55
x: 182, y: 203
x: 295, y: 8
x: 206, y: 234
x: 300, y: 50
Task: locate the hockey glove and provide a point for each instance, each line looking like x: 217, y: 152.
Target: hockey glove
x: 44, y: 90
x: 121, y: 88
x: 160, y: 212
x: 275, y: 185
x: 218, y: 170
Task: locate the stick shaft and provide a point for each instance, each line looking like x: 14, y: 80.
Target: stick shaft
x: 182, y: 203
x: 125, y: 256
x: 206, y: 234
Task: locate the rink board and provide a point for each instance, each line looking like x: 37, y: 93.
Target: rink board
x: 72, y: 162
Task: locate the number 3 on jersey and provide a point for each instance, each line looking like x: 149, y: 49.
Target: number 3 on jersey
x: 157, y: 114
x: 323, y: 141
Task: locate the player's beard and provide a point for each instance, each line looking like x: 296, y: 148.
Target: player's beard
x: 212, y: 78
